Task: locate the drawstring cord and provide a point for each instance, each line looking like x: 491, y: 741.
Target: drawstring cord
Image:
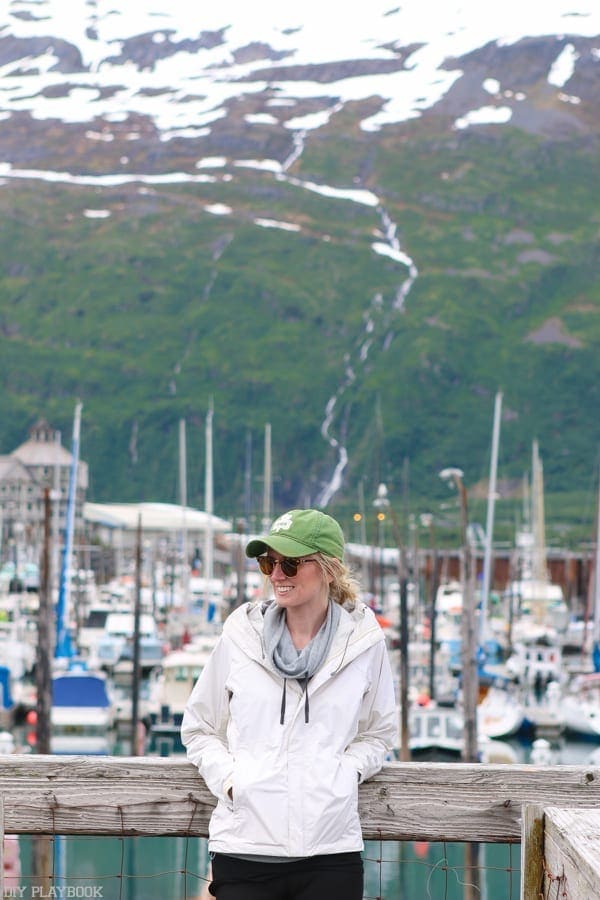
x: 306, y: 700
x: 282, y: 713
x: 304, y: 683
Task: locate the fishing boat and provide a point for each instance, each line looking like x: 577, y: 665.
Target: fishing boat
x: 436, y: 732
x: 170, y: 690
x: 117, y: 638
x: 437, y: 735
x: 82, y: 715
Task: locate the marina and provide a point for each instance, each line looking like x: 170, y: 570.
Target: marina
x: 499, y: 675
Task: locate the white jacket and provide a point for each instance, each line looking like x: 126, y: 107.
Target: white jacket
x: 295, y: 785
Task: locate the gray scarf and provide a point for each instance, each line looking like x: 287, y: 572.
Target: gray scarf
x: 293, y: 663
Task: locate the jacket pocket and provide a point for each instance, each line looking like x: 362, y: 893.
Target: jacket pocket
x: 260, y: 799
x: 332, y: 801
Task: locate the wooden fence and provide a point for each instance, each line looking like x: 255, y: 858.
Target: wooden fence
x: 82, y: 795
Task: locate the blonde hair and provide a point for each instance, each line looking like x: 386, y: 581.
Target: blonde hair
x: 344, y: 587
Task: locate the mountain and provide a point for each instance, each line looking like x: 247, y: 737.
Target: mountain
x: 357, y: 226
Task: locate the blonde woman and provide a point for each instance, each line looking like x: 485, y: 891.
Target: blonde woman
x: 294, y: 709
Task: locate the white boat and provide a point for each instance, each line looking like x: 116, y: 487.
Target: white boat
x: 580, y: 705
x: 533, y: 664
x: 121, y: 682
x: 92, y: 629
x: 170, y: 690
x: 17, y: 648
x: 435, y: 732
x: 207, y: 597
x: 82, y: 714
x: 437, y: 735
x: 500, y: 713
x: 117, y: 638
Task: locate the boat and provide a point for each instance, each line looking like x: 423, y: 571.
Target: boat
x: 437, y: 735
x: 580, y: 705
x: 82, y: 715
x: 435, y: 732
x: 116, y: 642
x: 170, y: 690
x: 17, y: 650
x: 500, y: 712
x: 121, y: 681
x: 92, y: 629
x: 538, y: 607
x: 534, y: 664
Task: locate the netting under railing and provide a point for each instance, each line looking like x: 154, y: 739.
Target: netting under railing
x: 144, y: 868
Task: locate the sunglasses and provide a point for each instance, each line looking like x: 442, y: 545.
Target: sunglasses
x: 289, y: 566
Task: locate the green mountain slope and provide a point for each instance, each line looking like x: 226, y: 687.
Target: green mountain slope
x: 147, y: 313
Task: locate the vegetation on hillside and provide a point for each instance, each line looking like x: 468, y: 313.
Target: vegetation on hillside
x: 149, y: 312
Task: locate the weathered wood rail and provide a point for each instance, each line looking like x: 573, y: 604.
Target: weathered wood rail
x: 165, y: 796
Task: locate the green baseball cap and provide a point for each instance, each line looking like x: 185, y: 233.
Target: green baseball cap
x: 300, y: 532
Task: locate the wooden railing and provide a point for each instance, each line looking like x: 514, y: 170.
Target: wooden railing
x: 81, y: 795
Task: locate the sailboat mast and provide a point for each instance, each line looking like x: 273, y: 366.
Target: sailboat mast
x: 596, y: 592
x: 183, y: 504
x: 63, y: 648
x: 209, y: 494
x: 489, y: 527
x: 267, y: 479
x: 540, y: 572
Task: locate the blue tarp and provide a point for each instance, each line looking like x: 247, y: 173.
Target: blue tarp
x: 6, y: 701
x: 79, y: 690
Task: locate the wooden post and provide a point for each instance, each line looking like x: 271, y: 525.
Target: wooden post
x: 470, y: 689
x: 404, y: 725
x: 471, y: 880
x: 403, y: 651
x: 532, y: 852
x: 435, y: 583
x: 572, y: 853
x: 42, y: 844
x: 1, y: 846
x: 43, y: 672
x: 135, y: 672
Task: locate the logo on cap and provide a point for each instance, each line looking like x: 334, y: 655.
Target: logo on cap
x: 283, y: 523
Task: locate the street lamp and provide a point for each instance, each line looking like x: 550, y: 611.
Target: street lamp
x: 470, y: 688
x: 426, y: 520
x: 381, y: 504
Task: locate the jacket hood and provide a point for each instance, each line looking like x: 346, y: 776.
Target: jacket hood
x: 358, y: 630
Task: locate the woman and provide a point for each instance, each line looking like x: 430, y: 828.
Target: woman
x: 293, y: 710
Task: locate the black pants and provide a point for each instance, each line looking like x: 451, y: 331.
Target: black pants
x: 326, y: 877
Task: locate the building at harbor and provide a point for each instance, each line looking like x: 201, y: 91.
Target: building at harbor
x: 41, y: 463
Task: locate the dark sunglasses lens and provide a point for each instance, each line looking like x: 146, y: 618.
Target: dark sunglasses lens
x: 289, y: 567
x: 267, y: 564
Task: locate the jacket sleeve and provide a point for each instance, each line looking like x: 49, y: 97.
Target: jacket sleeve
x: 377, y: 732
x: 204, y: 725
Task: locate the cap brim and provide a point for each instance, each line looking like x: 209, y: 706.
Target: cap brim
x: 280, y: 543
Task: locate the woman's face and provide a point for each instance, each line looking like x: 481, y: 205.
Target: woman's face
x: 307, y: 589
